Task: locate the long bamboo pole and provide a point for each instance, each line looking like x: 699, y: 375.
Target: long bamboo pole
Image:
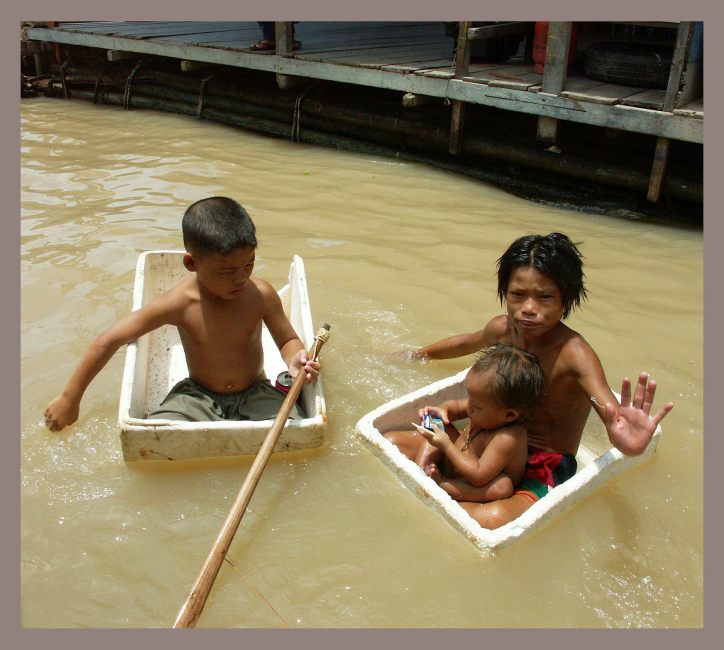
x: 191, y: 610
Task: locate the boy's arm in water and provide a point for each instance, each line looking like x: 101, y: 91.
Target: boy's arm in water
x: 491, y: 463
x: 629, y: 424
x: 65, y: 408
x: 290, y: 345
x: 458, y: 345
x: 461, y: 345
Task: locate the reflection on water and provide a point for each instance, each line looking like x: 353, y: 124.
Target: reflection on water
x: 397, y: 255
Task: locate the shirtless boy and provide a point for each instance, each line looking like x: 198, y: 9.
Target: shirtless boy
x: 491, y: 452
x: 218, y: 310
x: 540, y: 280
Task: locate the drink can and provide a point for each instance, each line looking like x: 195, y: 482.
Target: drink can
x: 284, y: 382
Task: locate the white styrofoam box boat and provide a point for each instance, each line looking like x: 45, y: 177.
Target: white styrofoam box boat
x: 593, y: 469
x: 155, y: 363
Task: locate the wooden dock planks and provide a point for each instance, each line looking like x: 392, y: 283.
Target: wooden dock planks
x: 377, y: 57
x: 694, y: 110
x: 415, y: 57
x: 517, y: 76
x: 597, y: 92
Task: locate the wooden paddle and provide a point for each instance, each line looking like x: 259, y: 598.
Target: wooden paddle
x: 191, y: 610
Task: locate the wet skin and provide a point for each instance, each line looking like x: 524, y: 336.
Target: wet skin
x: 219, y: 311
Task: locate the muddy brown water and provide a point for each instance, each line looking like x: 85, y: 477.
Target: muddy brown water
x: 397, y: 255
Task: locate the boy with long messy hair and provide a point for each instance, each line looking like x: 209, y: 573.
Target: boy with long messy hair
x: 540, y: 280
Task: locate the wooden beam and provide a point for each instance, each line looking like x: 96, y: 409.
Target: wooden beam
x: 120, y: 55
x: 627, y: 118
x: 195, y: 66
x: 462, y: 63
x: 547, y: 132
x: 283, y: 32
x: 691, y: 87
x: 56, y: 46
x: 682, y: 50
x: 658, y: 169
x: 556, y: 63
x: 284, y: 36
x: 501, y: 29
x: 554, y: 74
x: 41, y: 66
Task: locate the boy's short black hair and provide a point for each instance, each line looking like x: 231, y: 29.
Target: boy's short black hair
x: 217, y: 225
x: 554, y: 255
x: 518, y: 381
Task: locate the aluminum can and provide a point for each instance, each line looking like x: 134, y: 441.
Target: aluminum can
x: 284, y: 382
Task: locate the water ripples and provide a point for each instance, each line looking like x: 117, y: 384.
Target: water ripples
x: 397, y: 255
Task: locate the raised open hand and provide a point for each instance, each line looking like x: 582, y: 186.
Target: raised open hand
x: 631, y: 429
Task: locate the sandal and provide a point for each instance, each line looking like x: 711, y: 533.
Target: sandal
x: 269, y: 46
x: 263, y: 46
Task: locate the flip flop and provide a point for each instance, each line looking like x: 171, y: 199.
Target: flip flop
x: 263, y: 46
x: 267, y: 47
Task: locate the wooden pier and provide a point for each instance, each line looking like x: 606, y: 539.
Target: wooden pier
x: 421, y: 61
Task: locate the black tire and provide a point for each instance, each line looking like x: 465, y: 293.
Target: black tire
x: 629, y: 64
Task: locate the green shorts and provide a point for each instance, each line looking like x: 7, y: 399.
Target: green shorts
x: 191, y: 402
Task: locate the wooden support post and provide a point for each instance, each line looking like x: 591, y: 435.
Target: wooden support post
x: 35, y: 48
x: 462, y: 62
x: 284, y: 37
x: 119, y: 55
x: 682, y: 50
x: 547, y: 130
x: 56, y: 46
x: 456, y: 127
x: 283, y: 32
x: 195, y: 66
x: 554, y: 74
x: 40, y: 66
x: 658, y: 169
